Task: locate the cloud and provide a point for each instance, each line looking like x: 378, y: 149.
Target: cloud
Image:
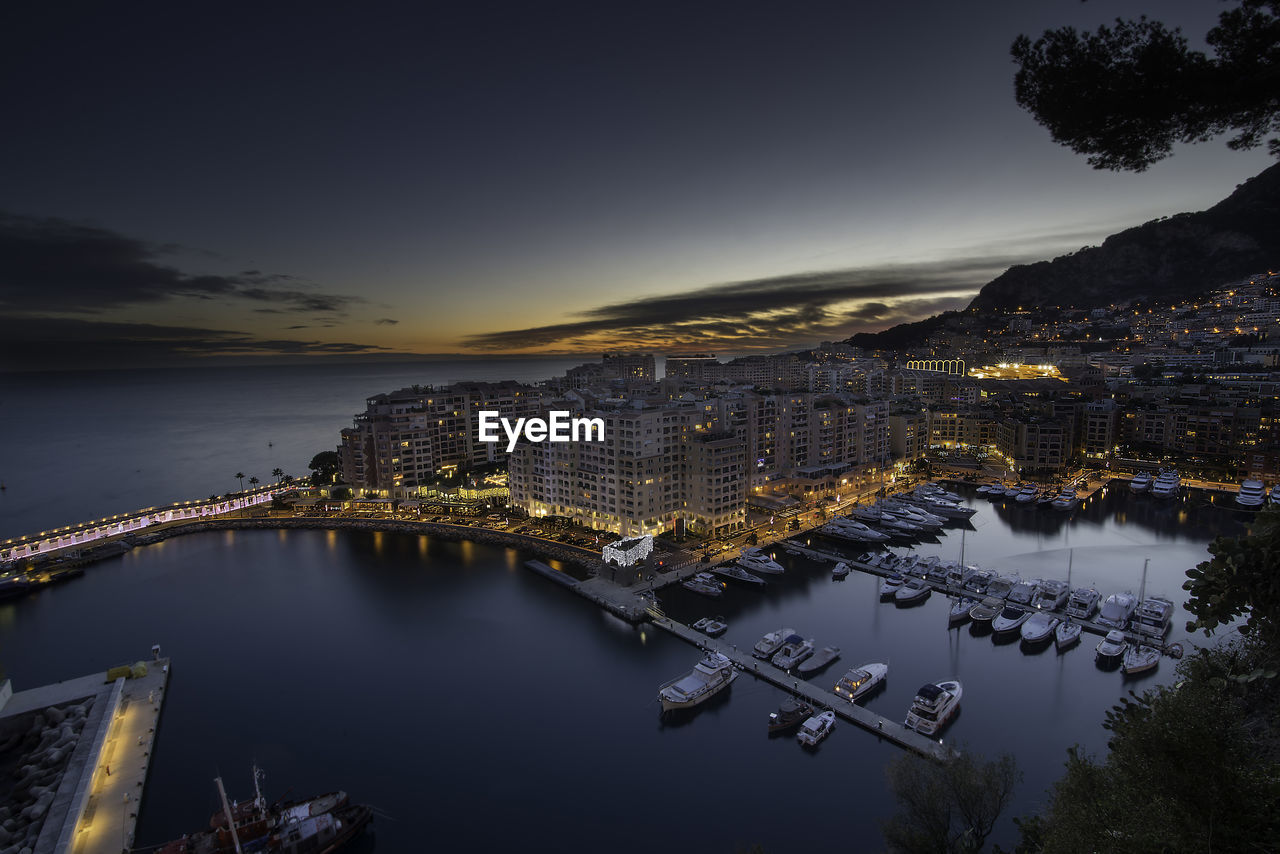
x: 48, y: 343
x: 386, y: 321
x: 774, y: 312
x: 51, y: 265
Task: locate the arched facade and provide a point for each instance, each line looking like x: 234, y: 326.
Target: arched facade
x: 955, y: 367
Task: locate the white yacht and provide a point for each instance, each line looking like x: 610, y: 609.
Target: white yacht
x: 889, y: 586
x: 1252, y: 494
x: 1117, y: 609
x: 861, y: 681
x: 1024, y: 591
x: 1140, y: 482
x: 960, y: 609
x: 1067, y: 635
x: 794, y: 650
x: 1010, y: 620
x: 978, y: 580
x: 912, y: 591
x: 1167, y: 485
x: 1039, y: 629
x: 757, y: 561
x: 1140, y: 658
x: 710, y: 676
x: 1052, y: 595
x: 737, y: 573
x: 704, y: 583
x: 1083, y: 602
x: 1026, y: 494
x: 816, y: 728
x: 935, y: 704
x: 1111, y: 648
x: 1001, y: 585
x: 769, y: 644
x: 854, y: 530
x: 1067, y: 499
x: 1152, y: 617
x: 933, y: 490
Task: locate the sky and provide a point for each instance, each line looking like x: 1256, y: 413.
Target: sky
x: 192, y: 181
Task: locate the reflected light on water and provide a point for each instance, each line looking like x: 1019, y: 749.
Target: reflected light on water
x: 468, y: 552
x: 512, y: 558
x: 424, y: 544
x: 378, y: 543
x: 330, y: 539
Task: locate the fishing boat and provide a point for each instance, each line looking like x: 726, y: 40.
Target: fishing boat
x: 322, y: 825
x: 1066, y: 635
x: 709, y: 677
x: 1140, y: 658
x: 818, y: 660
x: 793, y: 651
x: 816, y: 728
x: 935, y: 704
x: 861, y: 681
x: 770, y: 643
x: 792, y: 712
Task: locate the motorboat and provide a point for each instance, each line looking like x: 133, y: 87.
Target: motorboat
x: 870, y: 558
x: 892, y: 562
x: 770, y: 643
x: 924, y: 565
x: 1039, y: 629
x: 793, y: 651
x: 1027, y: 494
x: 986, y: 610
x: 913, y: 590
x: 1052, y: 595
x: 792, y: 712
x: 737, y: 573
x: 816, y: 728
x: 1167, y: 485
x: 933, y: 490
x: 978, y: 580
x: 1083, y: 602
x: 1067, y: 499
x: 840, y: 570
x: 943, y: 507
x: 861, y: 681
x: 700, y: 625
x: 855, y: 530
x: 1140, y: 483
x: 1117, y: 609
x: 986, y: 488
x: 710, y: 676
x: 939, y: 571
x: 818, y: 660
x: 755, y: 560
x: 901, y: 526
x: 1140, y: 658
x: 1251, y: 495
x: 704, y: 583
x: 870, y: 513
x: 1046, y: 499
x: 1067, y: 635
x: 915, y: 515
x: 1024, y: 592
x: 889, y: 586
x: 935, y: 704
x: 1152, y: 617
x: 1001, y: 585
x: 716, y: 626
x: 1010, y: 620
x: 960, y: 609
x: 1111, y: 648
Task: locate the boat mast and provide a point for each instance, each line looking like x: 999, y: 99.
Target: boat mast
x: 231, y: 819
x: 1071, y: 553
x: 1142, y: 591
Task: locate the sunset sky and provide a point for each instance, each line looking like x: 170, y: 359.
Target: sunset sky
x: 186, y: 182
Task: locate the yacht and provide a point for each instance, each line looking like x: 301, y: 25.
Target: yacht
x: 1275, y: 494
x: 1066, y: 635
x: 1167, y: 485
x: 1052, y: 596
x: 861, y: 681
x: 1024, y: 591
x: 986, y: 610
x: 912, y: 591
x: 757, y: 561
x: 769, y: 644
x: 1010, y: 620
x: 793, y: 651
x: 933, y: 490
x: 1141, y: 482
x: 704, y: 583
x: 1117, y: 609
x: 960, y: 611
x: 737, y: 573
x: 986, y: 488
x: 1083, y: 602
x: 1012, y: 491
x: 855, y: 530
x: 1111, y: 648
x: 710, y: 676
x: 818, y: 660
x: 1152, y: 617
x: 716, y: 626
x: 1026, y: 494
x: 791, y: 713
x: 1039, y: 629
x: 840, y: 570
x: 1251, y: 495
x: 924, y: 565
x: 978, y: 580
x: 1140, y: 658
x: 1001, y: 585
x: 816, y: 728
x: 934, y: 705
x: 1067, y: 499
x: 889, y: 586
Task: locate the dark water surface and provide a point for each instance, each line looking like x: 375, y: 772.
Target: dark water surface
x: 481, y: 708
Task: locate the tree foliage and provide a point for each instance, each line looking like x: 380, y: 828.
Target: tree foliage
x: 325, y: 466
x: 1241, y: 580
x: 951, y: 807
x: 1123, y: 95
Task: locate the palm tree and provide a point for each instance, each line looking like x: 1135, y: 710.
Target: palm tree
x: 277, y: 474
x: 253, y: 481
x: 240, y: 477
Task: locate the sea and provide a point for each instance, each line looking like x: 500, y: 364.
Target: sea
x: 479, y: 707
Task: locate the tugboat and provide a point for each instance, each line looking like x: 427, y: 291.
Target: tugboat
x: 322, y: 825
